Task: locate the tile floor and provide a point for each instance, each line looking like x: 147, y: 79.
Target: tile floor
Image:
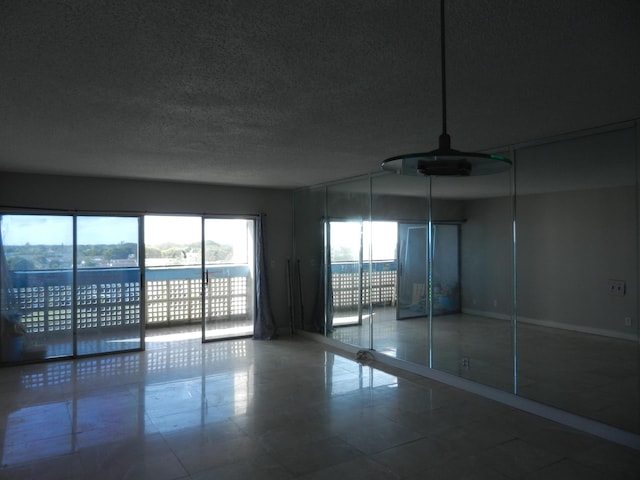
x: 592, y: 376
x: 289, y: 408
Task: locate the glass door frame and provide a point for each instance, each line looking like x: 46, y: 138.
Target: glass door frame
x: 404, y: 228
x: 253, y: 269
x: 73, y: 299
x: 141, y: 279
x: 360, y: 270
x: 430, y: 259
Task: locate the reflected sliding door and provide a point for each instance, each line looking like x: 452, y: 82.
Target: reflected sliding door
x: 345, y: 247
x: 446, y: 269
x: 412, y: 271
x: 228, y: 277
x: 413, y: 274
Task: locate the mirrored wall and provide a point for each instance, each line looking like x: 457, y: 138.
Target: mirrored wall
x: 525, y: 281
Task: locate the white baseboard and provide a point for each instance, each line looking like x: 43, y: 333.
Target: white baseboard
x: 553, y: 324
x: 482, y: 313
x: 580, y: 328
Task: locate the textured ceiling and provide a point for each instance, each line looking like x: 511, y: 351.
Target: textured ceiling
x: 295, y: 93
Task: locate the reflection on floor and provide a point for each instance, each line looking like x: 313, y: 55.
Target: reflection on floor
x: 94, y: 341
x: 213, y: 331
x: 593, y: 376
x: 60, y: 344
x: 282, y: 409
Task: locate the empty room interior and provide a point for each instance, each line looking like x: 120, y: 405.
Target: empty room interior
x: 289, y: 240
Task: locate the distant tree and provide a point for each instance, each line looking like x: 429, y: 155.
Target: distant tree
x: 41, y: 262
x: 218, y: 253
x: 20, y: 264
x: 55, y: 264
x: 152, y: 252
x: 91, y: 250
x: 174, y: 252
x: 343, y: 254
x: 119, y: 252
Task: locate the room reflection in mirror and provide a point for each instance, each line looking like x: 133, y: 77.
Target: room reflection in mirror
x: 346, y: 280
x: 401, y: 329
x: 525, y: 281
x: 577, y: 221
x: 472, y: 307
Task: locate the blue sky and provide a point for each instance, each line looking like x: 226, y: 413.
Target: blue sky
x: 58, y: 230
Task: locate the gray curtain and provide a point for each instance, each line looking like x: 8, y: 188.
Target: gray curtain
x: 264, y: 327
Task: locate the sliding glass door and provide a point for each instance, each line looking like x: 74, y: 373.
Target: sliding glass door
x: 200, y: 272
x: 228, y: 277
x: 37, y: 287
x: 69, y: 286
x: 173, y: 270
x: 107, y: 284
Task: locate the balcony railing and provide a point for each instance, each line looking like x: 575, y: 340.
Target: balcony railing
x: 109, y: 298
x: 348, y: 292
x: 174, y: 294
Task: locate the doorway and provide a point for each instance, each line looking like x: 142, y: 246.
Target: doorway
x: 69, y: 286
x: 362, y: 268
x: 229, y: 278
x: 200, y: 275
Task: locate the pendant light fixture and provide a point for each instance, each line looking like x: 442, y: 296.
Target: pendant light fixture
x: 445, y: 161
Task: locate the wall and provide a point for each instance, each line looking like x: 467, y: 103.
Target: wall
x: 309, y: 208
x: 576, y: 220
x: 569, y: 245
x: 113, y: 195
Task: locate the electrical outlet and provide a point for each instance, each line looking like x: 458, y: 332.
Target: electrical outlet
x: 617, y: 288
x: 627, y: 321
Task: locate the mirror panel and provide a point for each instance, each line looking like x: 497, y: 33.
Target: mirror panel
x: 349, y: 319
x: 577, y: 221
x: 401, y: 204
x: 472, y: 308
x: 562, y: 227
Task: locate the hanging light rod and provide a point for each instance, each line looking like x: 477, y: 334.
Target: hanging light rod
x: 445, y: 161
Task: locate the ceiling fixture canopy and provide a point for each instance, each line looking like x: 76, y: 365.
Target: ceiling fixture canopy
x: 445, y: 161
